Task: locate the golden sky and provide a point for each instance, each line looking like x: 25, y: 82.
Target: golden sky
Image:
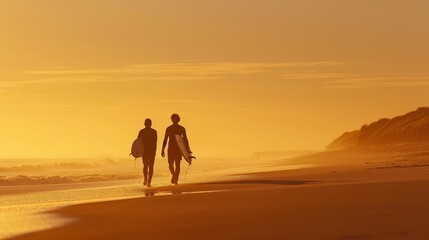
x: 78, y: 77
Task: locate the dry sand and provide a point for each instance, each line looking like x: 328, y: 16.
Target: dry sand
x: 373, y: 196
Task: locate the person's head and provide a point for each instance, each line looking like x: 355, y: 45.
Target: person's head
x: 148, y: 122
x: 175, y: 118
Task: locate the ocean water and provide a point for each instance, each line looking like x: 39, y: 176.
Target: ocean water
x: 39, y: 172
x: 31, y: 189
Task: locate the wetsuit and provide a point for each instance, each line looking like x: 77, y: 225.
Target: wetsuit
x: 174, y: 154
x: 149, y: 137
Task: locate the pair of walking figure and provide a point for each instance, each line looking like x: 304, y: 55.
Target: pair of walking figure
x: 149, y: 138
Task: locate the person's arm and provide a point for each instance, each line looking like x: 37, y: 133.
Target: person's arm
x: 140, y: 134
x: 185, y: 138
x: 164, y: 143
x: 156, y: 139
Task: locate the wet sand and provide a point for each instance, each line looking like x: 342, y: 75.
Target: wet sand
x: 360, y: 200
x: 25, y: 208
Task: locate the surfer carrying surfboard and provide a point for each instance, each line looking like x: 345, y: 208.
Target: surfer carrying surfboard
x: 174, y: 153
x: 149, y: 138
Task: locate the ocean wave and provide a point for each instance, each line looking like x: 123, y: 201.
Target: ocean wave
x: 39, y: 180
x: 46, y: 167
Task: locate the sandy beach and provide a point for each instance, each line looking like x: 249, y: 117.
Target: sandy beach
x: 367, y: 198
x: 214, y: 120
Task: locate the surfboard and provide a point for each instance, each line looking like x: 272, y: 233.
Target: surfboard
x: 184, y: 149
x: 137, y: 148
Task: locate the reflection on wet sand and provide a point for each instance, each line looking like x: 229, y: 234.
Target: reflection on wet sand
x: 152, y: 193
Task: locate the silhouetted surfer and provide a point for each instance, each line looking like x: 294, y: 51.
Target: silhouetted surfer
x: 149, y: 137
x: 174, y: 154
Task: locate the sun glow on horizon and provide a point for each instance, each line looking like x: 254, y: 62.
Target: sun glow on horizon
x: 77, y: 79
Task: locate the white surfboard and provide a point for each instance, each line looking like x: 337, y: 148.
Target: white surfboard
x: 184, y: 149
x: 137, y: 148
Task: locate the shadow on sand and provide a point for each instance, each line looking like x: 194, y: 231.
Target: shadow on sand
x: 154, y: 192
x: 269, y: 182
x: 150, y: 193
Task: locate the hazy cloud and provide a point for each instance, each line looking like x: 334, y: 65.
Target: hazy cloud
x: 173, y: 72
x: 324, y: 71
x: 378, y: 82
x: 190, y: 69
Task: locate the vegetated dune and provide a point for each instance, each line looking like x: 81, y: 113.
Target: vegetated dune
x: 407, y: 131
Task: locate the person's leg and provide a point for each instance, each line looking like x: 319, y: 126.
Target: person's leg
x: 171, y: 166
x: 150, y: 165
x: 177, y: 172
x: 145, y: 170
